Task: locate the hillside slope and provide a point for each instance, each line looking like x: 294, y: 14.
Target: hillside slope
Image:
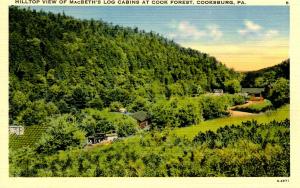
x: 267, y: 75
x: 275, y: 81
x: 59, y: 64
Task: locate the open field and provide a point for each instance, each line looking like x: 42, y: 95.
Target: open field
x: 191, y: 131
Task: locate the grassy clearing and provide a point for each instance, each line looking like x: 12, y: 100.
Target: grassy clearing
x: 190, y: 132
x: 112, y: 116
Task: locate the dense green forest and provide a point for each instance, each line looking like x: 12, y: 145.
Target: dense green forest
x: 59, y: 64
x: 68, y: 78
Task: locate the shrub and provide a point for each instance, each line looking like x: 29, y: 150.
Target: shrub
x: 279, y: 93
x: 115, y: 106
x: 184, y: 111
x: 232, y: 86
x: 37, y: 112
x: 176, y: 112
x: 139, y: 104
x: 214, y: 107
x: 63, y: 133
x: 237, y: 99
x: 104, y: 121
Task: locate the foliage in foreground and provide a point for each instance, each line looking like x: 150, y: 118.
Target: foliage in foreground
x: 248, y: 149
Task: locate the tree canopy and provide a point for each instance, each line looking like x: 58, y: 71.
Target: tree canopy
x: 59, y: 64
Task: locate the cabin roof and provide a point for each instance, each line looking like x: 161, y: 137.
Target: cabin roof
x: 15, y: 126
x: 253, y: 90
x: 111, y: 134
x: 140, y: 115
x: 218, y: 90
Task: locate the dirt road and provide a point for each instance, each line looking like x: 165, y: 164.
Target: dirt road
x: 235, y: 113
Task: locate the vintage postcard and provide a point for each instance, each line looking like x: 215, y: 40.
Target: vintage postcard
x: 142, y: 88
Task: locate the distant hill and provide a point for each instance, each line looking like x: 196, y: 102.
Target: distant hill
x: 269, y: 73
x: 59, y: 64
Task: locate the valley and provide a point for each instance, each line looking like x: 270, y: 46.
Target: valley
x: 98, y: 99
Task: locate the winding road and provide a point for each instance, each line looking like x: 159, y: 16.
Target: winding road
x: 235, y: 113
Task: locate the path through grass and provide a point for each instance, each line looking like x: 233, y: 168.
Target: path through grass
x: 191, y: 131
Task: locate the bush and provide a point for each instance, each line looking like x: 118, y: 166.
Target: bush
x: 115, y: 106
x: 105, y: 121
x: 237, y: 99
x: 232, y: 86
x: 37, y: 112
x: 214, y: 107
x: 185, y: 111
x: 176, y: 112
x: 63, y: 133
x: 139, y: 104
x: 279, y: 93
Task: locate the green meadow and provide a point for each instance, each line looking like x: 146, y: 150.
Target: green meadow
x: 190, y: 132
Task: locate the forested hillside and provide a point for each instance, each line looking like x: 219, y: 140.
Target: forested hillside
x: 72, y: 80
x: 275, y: 81
x: 265, y: 76
x: 59, y: 64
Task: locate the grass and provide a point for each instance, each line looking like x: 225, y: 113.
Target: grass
x: 112, y: 116
x: 190, y: 132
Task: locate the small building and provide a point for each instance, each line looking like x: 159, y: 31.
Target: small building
x: 122, y: 110
x: 255, y: 94
x: 102, y: 137
x: 143, y: 119
x: 15, y: 129
x: 111, y: 137
x: 218, y: 92
x: 96, y: 138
